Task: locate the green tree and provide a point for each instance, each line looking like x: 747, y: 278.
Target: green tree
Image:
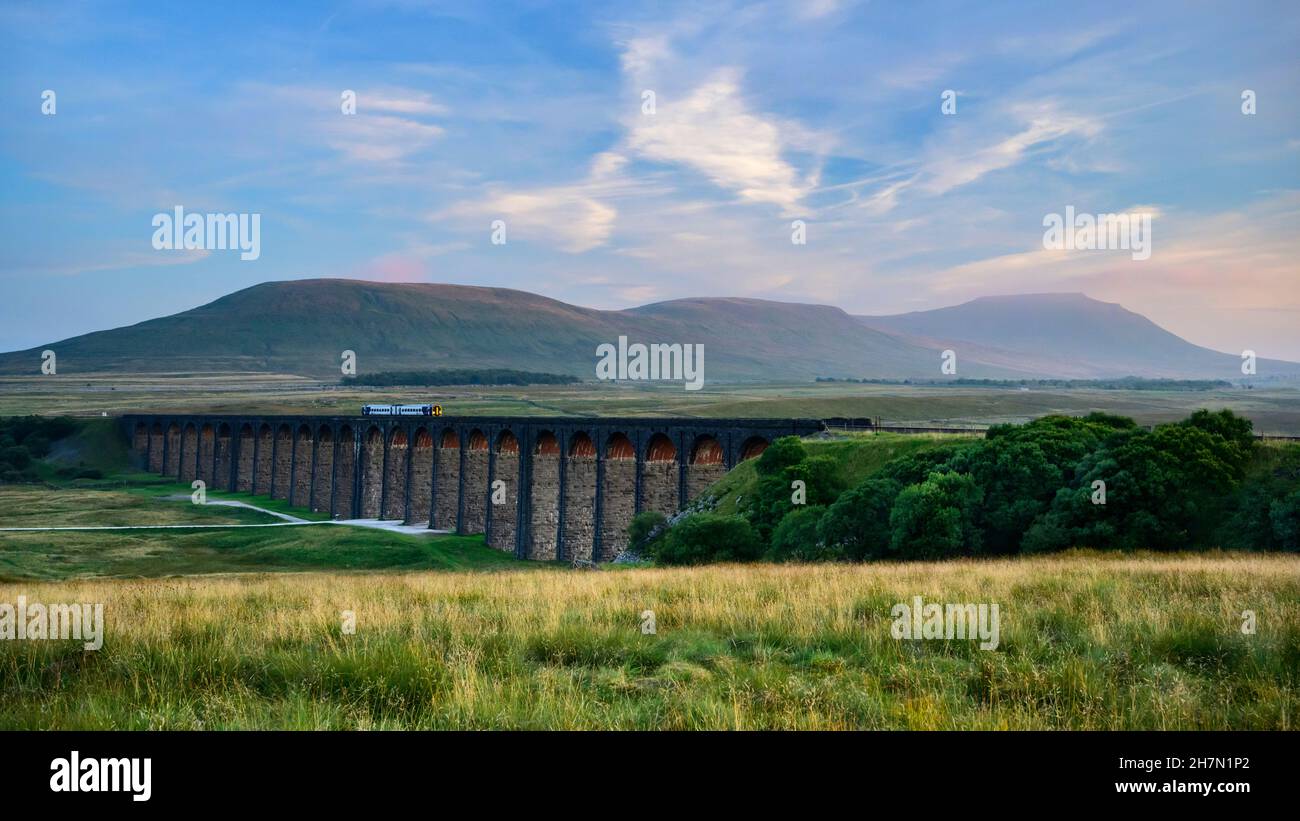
x: 781, y: 454
x: 936, y: 518
x: 707, y: 537
x: 796, y: 538
x: 1284, y: 515
x: 856, y: 526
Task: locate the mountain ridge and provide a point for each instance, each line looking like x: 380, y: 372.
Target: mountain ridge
x: 303, y: 326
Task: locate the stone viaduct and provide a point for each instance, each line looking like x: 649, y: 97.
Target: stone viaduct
x: 543, y: 488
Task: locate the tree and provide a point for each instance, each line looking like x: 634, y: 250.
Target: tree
x: 1284, y: 515
x: 772, y: 499
x: 856, y: 526
x: 935, y: 519
x: 1165, y: 489
x: 781, y: 454
x: 796, y: 537
x: 707, y: 537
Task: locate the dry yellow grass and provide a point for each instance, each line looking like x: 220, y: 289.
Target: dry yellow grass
x: 1087, y: 640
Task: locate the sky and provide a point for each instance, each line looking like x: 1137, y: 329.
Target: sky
x: 540, y: 115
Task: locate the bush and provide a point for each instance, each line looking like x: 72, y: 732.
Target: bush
x: 796, y: 538
x: 1284, y: 516
x: 936, y: 518
x: 781, y: 454
x: 37, y: 445
x: 772, y: 498
x: 644, y: 528
x: 1165, y: 490
x: 707, y: 537
x: 856, y: 526
x: 16, y: 457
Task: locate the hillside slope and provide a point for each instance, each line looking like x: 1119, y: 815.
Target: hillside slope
x: 1066, y: 334
x: 303, y: 326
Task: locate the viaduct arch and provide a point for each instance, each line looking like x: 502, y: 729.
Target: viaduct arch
x: 546, y: 488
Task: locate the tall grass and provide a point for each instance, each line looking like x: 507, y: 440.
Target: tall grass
x: 1088, y: 641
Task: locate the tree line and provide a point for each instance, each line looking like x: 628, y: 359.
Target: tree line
x: 1058, y: 482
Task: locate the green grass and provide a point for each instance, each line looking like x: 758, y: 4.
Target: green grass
x: 156, y: 553
x: 1275, y: 410
x: 1088, y: 641
x: 145, y: 500
x: 857, y: 455
x: 45, y: 506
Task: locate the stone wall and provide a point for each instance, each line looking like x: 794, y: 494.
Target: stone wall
x: 395, y: 485
x: 156, y: 445
x: 222, y: 478
x: 545, y: 505
x: 207, y: 451
x: 189, y: 453
x: 617, y: 506
x: 262, y: 470
x: 659, y: 487
x: 421, y: 476
x: 300, y: 489
x: 282, y: 463
x: 173, y: 466
x: 504, y: 528
x: 699, y: 477
x: 475, y: 489
x: 244, y: 472
x: 447, y: 500
x: 324, y: 482
x: 372, y: 473
x: 140, y: 445
x: 345, y: 474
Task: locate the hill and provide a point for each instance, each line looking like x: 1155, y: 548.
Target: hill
x: 1066, y: 334
x: 303, y: 327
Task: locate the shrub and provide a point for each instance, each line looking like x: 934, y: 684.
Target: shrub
x: 781, y: 454
x: 771, y: 501
x: 856, y: 526
x: 1284, y: 516
x: 644, y: 528
x: 707, y: 537
x: 935, y: 519
x: 16, y: 457
x: 796, y: 538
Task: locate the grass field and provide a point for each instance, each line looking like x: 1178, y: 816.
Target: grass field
x: 1087, y: 641
x: 1274, y: 410
x: 144, y: 500
x: 242, y: 627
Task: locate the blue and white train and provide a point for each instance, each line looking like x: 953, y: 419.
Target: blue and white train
x: 401, y: 410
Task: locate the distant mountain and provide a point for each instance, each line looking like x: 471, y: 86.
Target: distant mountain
x: 303, y: 326
x: 1068, y: 335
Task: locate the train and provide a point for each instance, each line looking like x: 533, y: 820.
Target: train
x: 401, y: 410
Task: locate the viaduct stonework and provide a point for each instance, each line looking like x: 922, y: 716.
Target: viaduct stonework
x: 542, y: 488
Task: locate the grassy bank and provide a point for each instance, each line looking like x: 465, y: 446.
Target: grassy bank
x: 1087, y: 641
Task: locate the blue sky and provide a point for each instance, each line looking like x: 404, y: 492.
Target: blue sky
x: 765, y: 113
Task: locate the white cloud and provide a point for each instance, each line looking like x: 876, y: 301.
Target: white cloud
x: 574, y: 218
